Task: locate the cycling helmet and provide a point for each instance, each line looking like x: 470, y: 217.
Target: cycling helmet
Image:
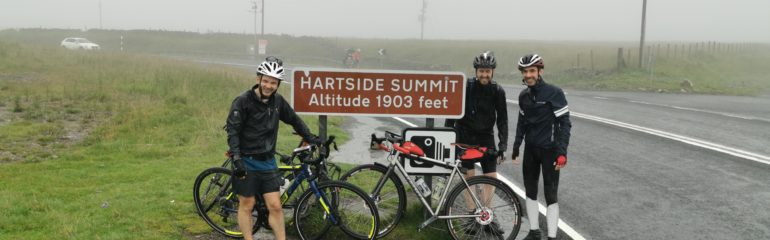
x: 485, y: 60
x: 274, y: 59
x: 271, y: 68
x: 531, y: 60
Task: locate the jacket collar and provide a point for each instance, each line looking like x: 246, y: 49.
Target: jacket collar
x: 253, y: 96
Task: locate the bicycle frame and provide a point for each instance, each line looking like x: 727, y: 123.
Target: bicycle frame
x: 307, y: 173
x: 302, y: 173
x: 395, y: 164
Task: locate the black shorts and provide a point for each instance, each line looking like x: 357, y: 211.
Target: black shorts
x: 488, y: 164
x: 258, y: 183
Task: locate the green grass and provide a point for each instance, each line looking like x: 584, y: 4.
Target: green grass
x: 150, y: 127
x: 569, y: 64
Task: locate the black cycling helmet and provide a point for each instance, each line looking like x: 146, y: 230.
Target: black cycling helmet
x: 485, y: 60
x: 531, y: 60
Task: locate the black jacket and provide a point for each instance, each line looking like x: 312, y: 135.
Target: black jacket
x: 484, y: 107
x: 252, y: 125
x: 543, y: 118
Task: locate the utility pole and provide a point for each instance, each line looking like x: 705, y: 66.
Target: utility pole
x: 422, y: 19
x: 262, y: 32
x: 254, y: 10
x: 100, y: 15
x: 641, y: 41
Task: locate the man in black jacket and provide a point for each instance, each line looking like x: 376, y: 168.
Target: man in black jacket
x: 544, y: 126
x: 485, y: 107
x: 252, y: 131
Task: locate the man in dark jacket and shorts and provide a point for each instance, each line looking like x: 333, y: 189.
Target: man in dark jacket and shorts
x: 485, y: 108
x: 252, y: 131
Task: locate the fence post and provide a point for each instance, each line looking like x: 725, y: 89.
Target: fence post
x: 578, y: 61
x: 621, y: 62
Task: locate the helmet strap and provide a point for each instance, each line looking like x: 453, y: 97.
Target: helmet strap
x: 262, y: 95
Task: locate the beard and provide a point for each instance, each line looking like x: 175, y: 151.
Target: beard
x: 524, y: 80
x: 486, y: 80
x: 262, y: 93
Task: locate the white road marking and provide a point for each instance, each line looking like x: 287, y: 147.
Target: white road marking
x: 703, y: 111
x: 562, y: 225
x: 688, y: 140
x: 405, y: 122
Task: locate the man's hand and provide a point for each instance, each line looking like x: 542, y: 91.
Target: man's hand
x: 315, y: 140
x: 240, y: 169
x: 500, y: 157
x: 322, y: 151
x: 515, y: 156
x: 560, y: 162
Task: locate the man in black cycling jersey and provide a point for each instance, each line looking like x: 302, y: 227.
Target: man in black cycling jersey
x: 544, y: 126
x: 485, y: 107
x: 252, y: 131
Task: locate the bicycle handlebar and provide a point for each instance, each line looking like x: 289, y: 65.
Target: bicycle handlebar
x: 324, y: 151
x: 392, y: 137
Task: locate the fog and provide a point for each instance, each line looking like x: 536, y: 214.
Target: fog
x: 586, y: 20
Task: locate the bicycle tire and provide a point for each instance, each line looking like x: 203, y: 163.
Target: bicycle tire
x: 224, y: 203
x: 501, y: 199
x: 306, y: 219
x: 390, y: 212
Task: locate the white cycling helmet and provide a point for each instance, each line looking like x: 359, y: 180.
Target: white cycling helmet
x: 271, y: 68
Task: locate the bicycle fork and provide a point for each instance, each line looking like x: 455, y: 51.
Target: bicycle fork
x: 324, y: 202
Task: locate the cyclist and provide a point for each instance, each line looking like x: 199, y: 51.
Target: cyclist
x: 544, y: 125
x: 356, y: 57
x: 252, y: 130
x: 485, y: 107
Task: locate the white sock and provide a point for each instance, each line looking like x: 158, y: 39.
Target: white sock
x: 552, y: 217
x: 533, y: 214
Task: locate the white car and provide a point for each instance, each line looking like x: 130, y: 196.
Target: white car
x: 79, y: 43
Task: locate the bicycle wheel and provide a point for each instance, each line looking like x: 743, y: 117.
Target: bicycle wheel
x: 390, y: 201
x: 348, y: 205
x: 500, y: 212
x: 216, y: 203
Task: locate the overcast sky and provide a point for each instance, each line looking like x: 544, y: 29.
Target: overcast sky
x: 604, y: 20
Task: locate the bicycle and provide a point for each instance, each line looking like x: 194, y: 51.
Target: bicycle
x: 467, y: 215
x: 218, y: 196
